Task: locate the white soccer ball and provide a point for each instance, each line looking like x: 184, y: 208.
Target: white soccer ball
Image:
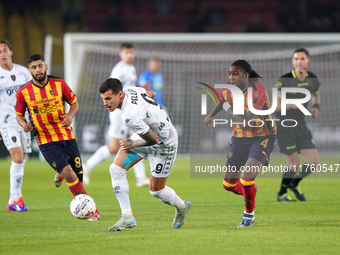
x: 83, y: 206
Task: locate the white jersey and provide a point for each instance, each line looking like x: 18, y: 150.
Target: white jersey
x: 125, y: 73
x: 10, y: 83
x: 141, y: 112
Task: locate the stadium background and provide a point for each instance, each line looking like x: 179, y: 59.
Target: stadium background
x: 26, y: 23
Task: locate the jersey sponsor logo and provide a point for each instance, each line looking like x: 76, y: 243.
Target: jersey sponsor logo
x: 12, y: 90
x: 45, y: 101
x: 13, y: 77
x: 48, y: 109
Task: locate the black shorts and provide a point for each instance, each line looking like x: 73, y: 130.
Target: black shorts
x: 243, y: 148
x: 61, y: 154
x: 292, y: 139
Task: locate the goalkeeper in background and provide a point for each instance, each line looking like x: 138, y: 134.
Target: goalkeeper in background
x: 126, y: 73
x: 298, y: 139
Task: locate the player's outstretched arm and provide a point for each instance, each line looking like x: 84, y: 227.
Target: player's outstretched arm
x: 149, y: 138
x: 207, y: 120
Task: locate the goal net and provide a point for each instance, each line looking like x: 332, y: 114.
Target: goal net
x: 188, y: 59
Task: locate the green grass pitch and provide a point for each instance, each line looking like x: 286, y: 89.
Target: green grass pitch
x: 311, y: 227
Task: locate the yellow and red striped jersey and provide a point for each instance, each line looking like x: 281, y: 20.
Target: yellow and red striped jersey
x: 265, y: 123
x: 46, y: 105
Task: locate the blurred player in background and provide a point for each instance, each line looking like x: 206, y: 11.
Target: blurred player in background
x: 153, y: 136
x: 126, y: 73
x: 153, y: 79
x: 298, y: 139
x: 44, y: 97
x: 17, y: 142
x: 250, y: 145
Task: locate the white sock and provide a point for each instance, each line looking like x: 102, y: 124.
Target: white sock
x: 121, y: 189
x: 169, y: 197
x: 16, y: 173
x: 101, y: 154
x: 139, y: 169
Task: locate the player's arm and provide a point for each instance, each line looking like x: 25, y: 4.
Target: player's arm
x: 151, y: 93
x: 69, y: 116
x: 207, y: 120
x: 148, y: 139
x: 316, y: 105
x: 26, y: 125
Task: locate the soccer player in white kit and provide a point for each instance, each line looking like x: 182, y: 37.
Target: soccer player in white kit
x: 126, y: 73
x: 17, y: 142
x: 153, y: 137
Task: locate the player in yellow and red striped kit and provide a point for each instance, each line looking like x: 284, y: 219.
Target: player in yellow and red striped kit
x: 252, y: 142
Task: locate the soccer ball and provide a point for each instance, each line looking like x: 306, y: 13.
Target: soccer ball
x: 83, y: 206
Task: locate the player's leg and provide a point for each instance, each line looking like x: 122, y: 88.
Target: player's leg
x: 237, y: 157
x: 161, y: 166
x: 307, y: 148
x: 259, y: 153
x: 100, y: 155
x: 124, y: 160
x: 13, y: 139
x: 56, y: 154
x: 287, y: 140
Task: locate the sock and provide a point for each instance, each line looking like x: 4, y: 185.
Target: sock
x: 121, y: 189
x: 287, y: 178
x: 139, y: 170
x: 76, y: 187
x: 249, y: 194
x: 16, y: 178
x: 235, y: 187
x: 101, y: 154
x: 169, y: 197
x: 305, y: 171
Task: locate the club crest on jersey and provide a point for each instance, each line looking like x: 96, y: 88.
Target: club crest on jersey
x: 54, y: 164
x: 14, y: 139
x: 13, y: 77
x: 52, y: 92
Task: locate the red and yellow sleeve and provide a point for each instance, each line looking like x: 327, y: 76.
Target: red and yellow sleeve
x: 259, y: 98
x: 20, y: 104
x: 68, y: 94
x: 226, y: 94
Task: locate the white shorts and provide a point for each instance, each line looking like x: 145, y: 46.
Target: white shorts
x: 14, y: 136
x: 117, y: 128
x: 161, y: 157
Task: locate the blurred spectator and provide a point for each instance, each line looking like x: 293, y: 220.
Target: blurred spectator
x: 198, y: 17
x: 257, y: 25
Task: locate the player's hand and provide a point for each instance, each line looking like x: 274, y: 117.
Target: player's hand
x: 126, y: 143
x: 67, y: 120
x: 147, y: 85
x: 28, y: 127
x: 0, y: 136
x: 207, y: 121
x: 315, y: 112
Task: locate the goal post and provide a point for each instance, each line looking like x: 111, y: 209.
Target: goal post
x: 190, y: 58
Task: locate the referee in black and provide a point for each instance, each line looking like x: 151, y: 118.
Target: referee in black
x: 298, y: 139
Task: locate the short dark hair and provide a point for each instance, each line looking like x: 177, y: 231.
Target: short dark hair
x: 126, y: 45
x: 7, y: 43
x: 302, y: 50
x: 35, y: 57
x: 111, y: 84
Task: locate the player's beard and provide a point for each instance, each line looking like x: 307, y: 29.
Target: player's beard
x: 42, y: 78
